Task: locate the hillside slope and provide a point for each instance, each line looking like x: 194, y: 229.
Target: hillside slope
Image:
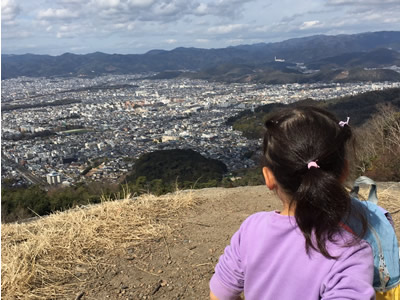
x: 360, y: 108
x: 146, y: 248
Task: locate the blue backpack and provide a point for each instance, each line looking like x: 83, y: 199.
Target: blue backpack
x: 382, y: 238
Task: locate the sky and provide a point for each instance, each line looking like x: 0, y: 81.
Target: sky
x: 137, y: 26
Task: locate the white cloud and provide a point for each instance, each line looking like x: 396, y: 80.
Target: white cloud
x: 171, y: 41
x: 141, y: 10
x: 61, y: 35
x: 9, y: 11
x: 20, y: 34
x: 78, y: 48
x: 228, y: 8
x: 310, y: 24
x: 165, y: 8
x: 362, y: 2
x: 394, y: 19
x: 202, y: 41
x: 265, y: 28
x: 70, y: 31
x: 224, y: 29
x: 119, y: 25
x: 140, y: 3
x: 65, y: 28
x: 68, y: 2
x: 201, y: 9
x: 235, y: 41
x: 373, y: 16
x: 105, y: 3
x: 124, y: 26
x: 61, y: 13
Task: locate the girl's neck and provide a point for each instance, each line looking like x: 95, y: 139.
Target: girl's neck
x: 288, y: 210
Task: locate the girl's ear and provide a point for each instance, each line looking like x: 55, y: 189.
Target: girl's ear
x: 269, y: 177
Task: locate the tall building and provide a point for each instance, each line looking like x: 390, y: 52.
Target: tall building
x: 53, y: 178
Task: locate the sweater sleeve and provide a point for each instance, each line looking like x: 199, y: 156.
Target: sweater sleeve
x: 351, y: 276
x: 228, y: 279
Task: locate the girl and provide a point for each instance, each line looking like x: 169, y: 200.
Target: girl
x: 301, y: 252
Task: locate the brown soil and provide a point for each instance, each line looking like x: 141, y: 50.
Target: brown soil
x: 180, y: 265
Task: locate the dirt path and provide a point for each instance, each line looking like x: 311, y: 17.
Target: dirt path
x: 180, y: 266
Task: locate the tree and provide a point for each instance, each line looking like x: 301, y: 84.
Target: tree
x: 157, y: 187
x: 379, y: 144
x: 141, y: 184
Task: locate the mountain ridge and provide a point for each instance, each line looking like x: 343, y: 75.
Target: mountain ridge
x: 306, y: 50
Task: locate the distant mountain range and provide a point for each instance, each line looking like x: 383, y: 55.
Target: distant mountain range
x: 284, y: 73
x: 335, y: 56
x: 371, y: 59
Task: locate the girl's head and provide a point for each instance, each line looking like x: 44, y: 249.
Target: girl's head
x: 305, y: 149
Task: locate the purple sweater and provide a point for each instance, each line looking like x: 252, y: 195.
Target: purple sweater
x: 267, y: 260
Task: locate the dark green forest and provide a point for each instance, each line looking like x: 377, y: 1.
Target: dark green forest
x: 177, y: 165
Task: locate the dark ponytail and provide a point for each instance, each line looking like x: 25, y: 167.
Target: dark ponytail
x: 321, y: 203
x: 295, y: 137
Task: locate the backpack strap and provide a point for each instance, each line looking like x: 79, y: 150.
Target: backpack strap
x: 384, y: 275
x: 347, y: 228
x: 372, y: 197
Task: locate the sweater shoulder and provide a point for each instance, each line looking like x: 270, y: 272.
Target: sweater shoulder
x: 262, y: 220
x: 257, y: 218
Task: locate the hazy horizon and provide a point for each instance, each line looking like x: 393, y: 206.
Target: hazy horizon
x: 188, y: 47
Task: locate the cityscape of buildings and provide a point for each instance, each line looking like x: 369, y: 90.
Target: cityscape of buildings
x: 109, y: 121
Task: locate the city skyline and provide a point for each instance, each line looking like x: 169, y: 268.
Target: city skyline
x: 137, y: 26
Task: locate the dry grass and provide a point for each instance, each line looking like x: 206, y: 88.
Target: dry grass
x: 389, y: 199
x: 388, y: 196
x: 40, y: 259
